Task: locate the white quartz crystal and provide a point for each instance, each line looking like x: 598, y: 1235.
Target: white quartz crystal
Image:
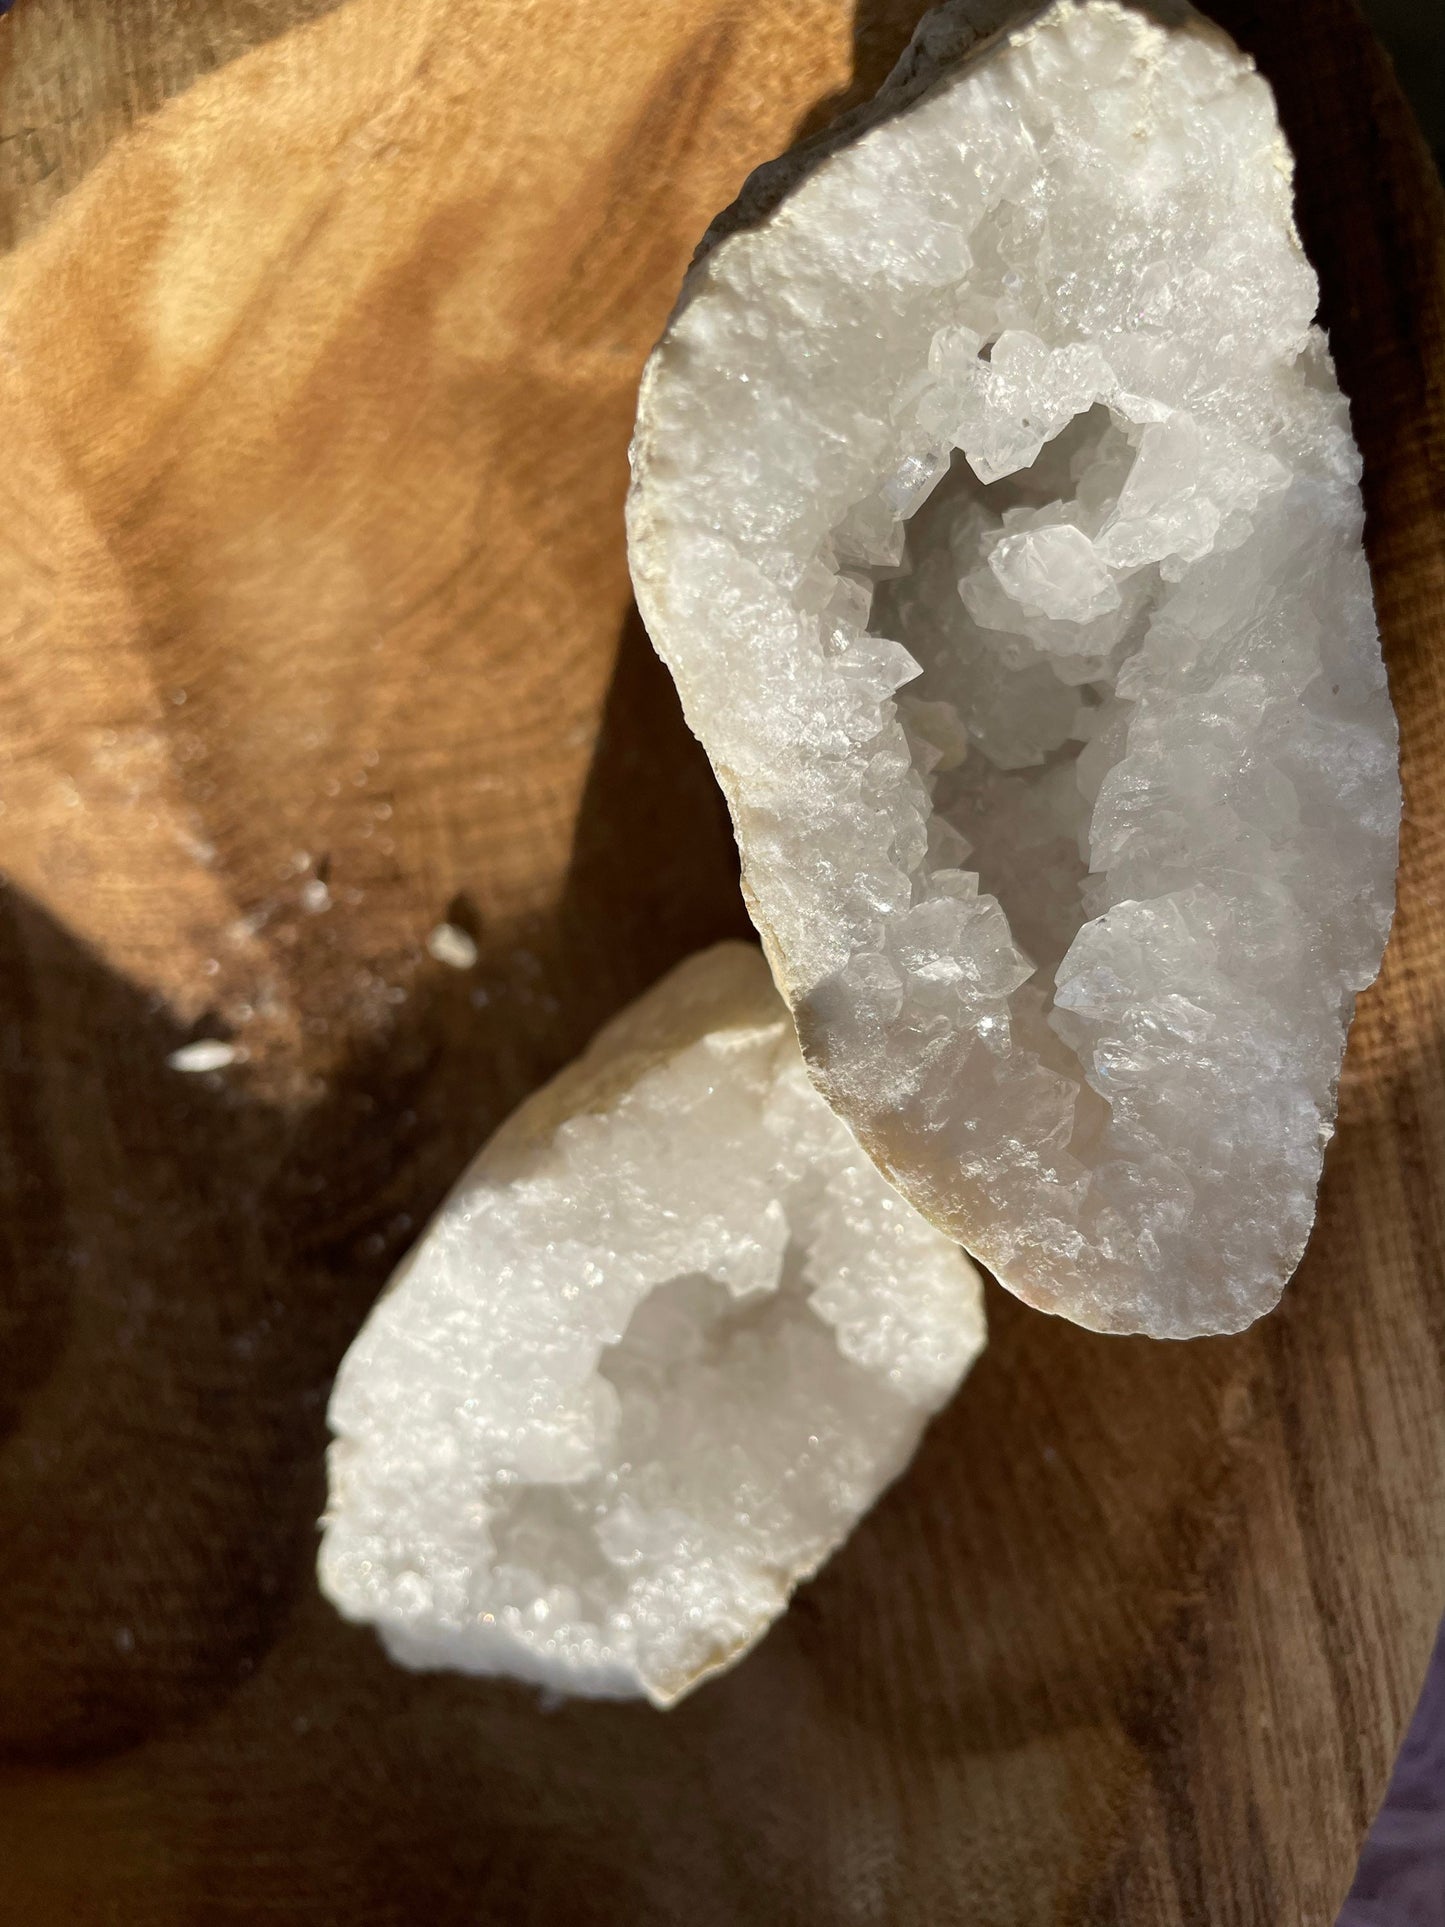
x: 996, y: 510
x: 667, y: 1340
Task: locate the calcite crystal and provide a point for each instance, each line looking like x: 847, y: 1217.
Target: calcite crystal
x: 666, y: 1341
x: 996, y: 510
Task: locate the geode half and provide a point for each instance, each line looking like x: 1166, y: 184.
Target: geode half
x: 996, y: 510
x: 667, y: 1340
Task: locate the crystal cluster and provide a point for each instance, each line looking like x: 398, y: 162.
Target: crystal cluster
x: 667, y: 1340
x: 996, y: 509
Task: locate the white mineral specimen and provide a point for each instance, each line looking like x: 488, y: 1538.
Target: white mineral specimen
x: 1009, y: 400
x: 206, y: 1054
x: 667, y: 1340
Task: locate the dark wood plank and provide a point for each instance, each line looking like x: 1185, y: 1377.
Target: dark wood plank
x: 314, y: 401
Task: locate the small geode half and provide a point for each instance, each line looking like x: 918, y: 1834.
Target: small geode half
x: 667, y: 1340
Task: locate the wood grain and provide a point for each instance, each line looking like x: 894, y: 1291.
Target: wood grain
x: 314, y: 401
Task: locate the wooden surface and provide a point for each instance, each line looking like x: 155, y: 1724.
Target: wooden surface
x: 314, y: 402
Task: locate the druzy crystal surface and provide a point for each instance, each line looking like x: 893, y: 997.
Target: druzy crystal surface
x: 996, y: 509
x: 669, y: 1337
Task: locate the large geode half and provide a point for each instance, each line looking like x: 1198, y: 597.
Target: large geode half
x: 996, y: 510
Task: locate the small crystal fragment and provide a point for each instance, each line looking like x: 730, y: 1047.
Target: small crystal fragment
x: 206, y: 1054
x: 453, y: 946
